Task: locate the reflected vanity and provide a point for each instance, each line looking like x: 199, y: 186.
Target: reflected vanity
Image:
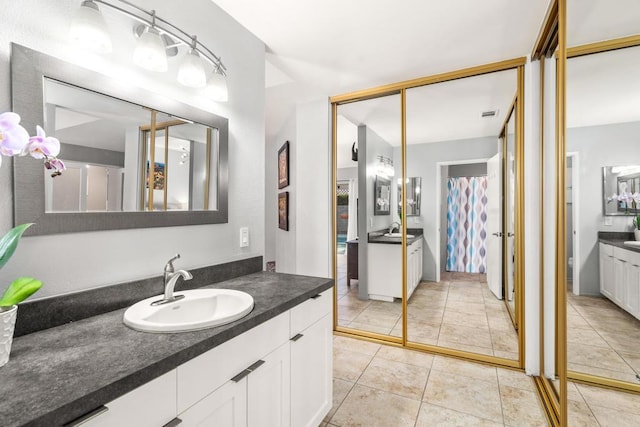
x: 134, y: 158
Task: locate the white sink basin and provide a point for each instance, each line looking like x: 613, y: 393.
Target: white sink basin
x: 199, y: 309
x: 409, y: 236
x: 634, y: 243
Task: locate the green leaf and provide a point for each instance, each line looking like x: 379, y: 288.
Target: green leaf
x: 9, y: 242
x: 19, y: 290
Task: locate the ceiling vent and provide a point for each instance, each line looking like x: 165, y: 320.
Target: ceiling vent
x: 490, y: 113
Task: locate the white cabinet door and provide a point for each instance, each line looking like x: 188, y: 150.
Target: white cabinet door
x: 269, y: 391
x: 311, y: 374
x: 632, y: 289
x: 225, y: 407
x: 151, y: 404
x: 618, y: 281
x: 606, y: 273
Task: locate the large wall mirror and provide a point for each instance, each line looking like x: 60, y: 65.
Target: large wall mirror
x: 602, y: 272
x: 134, y: 159
x: 444, y: 273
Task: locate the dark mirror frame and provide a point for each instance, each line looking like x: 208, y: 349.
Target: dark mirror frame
x: 28, y: 70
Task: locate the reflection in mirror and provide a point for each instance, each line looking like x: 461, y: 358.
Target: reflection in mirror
x: 413, y: 186
x: 454, y: 146
x: 108, y: 145
x: 603, y: 273
x: 621, y: 190
x: 510, y: 176
x: 369, y: 264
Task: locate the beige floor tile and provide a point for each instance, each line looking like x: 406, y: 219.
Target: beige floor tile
x: 349, y: 365
x: 573, y: 393
x: 395, y: 377
x: 465, y: 298
x: 353, y: 301
x: 347, y: 313
x: 410, y: 357
x: 465, y: 394
x: 499, y: 321
x: 420, y: 331
x: 506, y: 355
x: 465, y: 347
x: 340, y: 390
x: 584, y: 335
x: 433, y: 415
x: 599, y: 357
x: 353, y: 344
x: 610, y: 417
x: 465, y: 335
x: 633, y: 359
x: 384, y: 330
x: 368, y: 407
x: 504, y: 341
x: 477, y: 307
x: 628, y: 376
x: 622, y: 342
x: 373, y: 318
x: 516, y: 379
x: 621, y: 401
x: 580, y: 415
x: 465, y: 319
x: 464, y: 368
x: 521, y: 407
x: 576, y: 321
x: 425, y: 315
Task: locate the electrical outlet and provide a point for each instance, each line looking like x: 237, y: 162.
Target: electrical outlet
x: 244, y: 237
x: 608, y: 221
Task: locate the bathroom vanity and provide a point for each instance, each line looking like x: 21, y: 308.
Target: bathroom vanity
x: 384, y: 266
x: 620, y: 274
x: 272, y: 367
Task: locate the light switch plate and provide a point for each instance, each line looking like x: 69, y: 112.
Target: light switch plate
x: 244, y: 237
x: 608, y: 220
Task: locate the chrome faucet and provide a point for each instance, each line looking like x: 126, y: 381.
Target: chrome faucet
x: 391, y: 227
x: 170, y: 278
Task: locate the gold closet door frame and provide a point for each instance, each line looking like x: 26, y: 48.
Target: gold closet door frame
x: 401, y: 88
x: 575, y: 52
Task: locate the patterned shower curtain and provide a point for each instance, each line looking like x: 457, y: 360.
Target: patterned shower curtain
x: 467, y: 224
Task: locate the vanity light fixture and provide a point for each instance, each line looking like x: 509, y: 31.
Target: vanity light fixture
x: 159, y: 39
x: 191, y: 72
x: 89, y: 29
x: 150, y: 52
x: 385, y: 166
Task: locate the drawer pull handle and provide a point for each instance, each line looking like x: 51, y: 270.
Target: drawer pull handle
x: 316, y: 296
x: 88, y: 416
x: 173, y: 423
x: 247, y: 371
x: 296, y: 337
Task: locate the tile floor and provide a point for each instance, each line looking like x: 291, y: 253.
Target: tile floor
x: 595, y: 406
x: 377, y: 385
x: 459, y: 312
x: 602, y: 339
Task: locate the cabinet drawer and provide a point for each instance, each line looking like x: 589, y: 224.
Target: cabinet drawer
x: 152, y: 404
x: 310, y: 311
x: 207, y: 372
x: 606, y: 249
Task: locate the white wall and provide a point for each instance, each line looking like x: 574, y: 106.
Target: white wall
x: 305, y: 248
x: 422, y: 162
x: 599, y: 146
x: 78, y: 261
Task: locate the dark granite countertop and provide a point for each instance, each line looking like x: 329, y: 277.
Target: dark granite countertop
x: 618, y: 239
x: 59, y: 374
x: 381, y: 238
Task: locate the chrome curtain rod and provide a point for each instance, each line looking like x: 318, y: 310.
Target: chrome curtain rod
x: 183, y: 37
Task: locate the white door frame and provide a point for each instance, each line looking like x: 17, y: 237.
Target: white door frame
x: 439, y: 166
x: 575, y: 201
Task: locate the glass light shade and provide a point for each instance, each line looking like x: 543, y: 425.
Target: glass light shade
x: 89, y: 29
x: 217, y: 88
x: 191, y: 72
x: 150, y: 52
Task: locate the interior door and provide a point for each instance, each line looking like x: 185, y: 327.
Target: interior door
x: 494, y: 228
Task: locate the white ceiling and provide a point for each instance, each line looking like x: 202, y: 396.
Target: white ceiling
x: 323, y: 48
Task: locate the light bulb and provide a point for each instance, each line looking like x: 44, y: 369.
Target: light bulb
x: 217, y: 87
x: 150, y: 52
x: 89, y: 29
x: 191, y: 72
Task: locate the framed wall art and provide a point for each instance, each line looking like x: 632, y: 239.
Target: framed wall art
x: 283, y: 165
x: 283, y: 211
